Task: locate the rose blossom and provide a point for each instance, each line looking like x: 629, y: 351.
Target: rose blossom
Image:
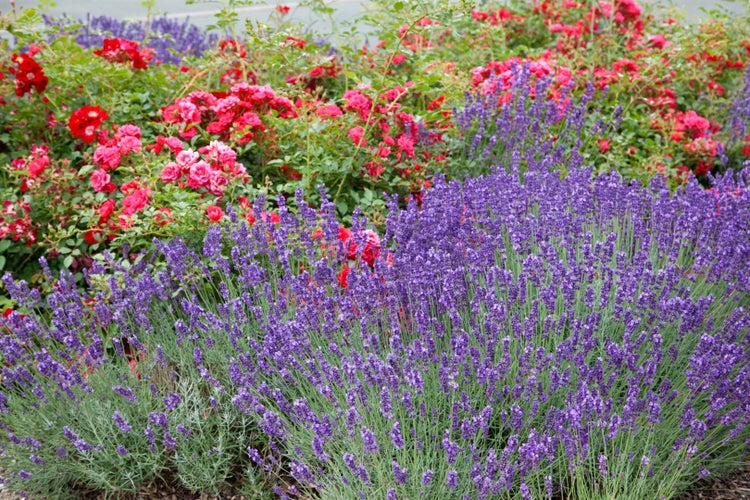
x: 217, y: 183
x: 107, y: 157
x: 171, y: 172
x: 356, y: 134
x: 214, y: 213
x: 186, y: 159
x: 134, y: 202
x: 200, y: 175
x: 329, y: 110
x: 99, y: 180
x: 128, y: 144
x: 106, y: 209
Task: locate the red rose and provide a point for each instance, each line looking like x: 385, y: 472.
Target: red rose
x: 106, y: 210
x: 134, y: 202
x: 84, y: 122
x: 214, y: 213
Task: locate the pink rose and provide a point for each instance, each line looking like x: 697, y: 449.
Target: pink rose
x: 356, y: 134
x: 99, y: 180
x: 134, y: 202
x: 657, y: 41
x: 130, y: 130
x: 329, y: 110
x: 219, y: 153
x: 171, y: 172
x: 107, y: 157
x: 128, y: 144
x: 187, y: 158
x: 174, y: 144
x: 217, y: 183
x: 200, y: 175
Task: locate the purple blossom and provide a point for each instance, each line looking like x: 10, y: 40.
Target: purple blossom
x: 369, y: 440
x: 451, y: 448
x: 182, y: 429
x: 525, y: 491
x: 82, y: 445
x: 122, y: 424
x: 399, y: 473
x: 427, y: 477
x: 172, y: 401
x: 122, y: 451
x: 125, y: 392
x: 159, y: 418
x: 451, y: 479
x: 317, y: 446
x: 396, y: 438
x: 169, y: 441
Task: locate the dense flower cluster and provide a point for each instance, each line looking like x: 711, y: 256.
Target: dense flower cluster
x: 120, y: 50
x: 503, y: 121
x: 531, y: 324
x: 85, y: 122
x: 16, y: 223
x: 212, y: 172
x: 234, y: 116
x: 29, y: 75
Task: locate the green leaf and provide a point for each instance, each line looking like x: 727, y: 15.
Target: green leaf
x: 68, y: 261
x: 2, y: 262
x: 342, y: 207
x: 398, y: 6
x: 4, y: 245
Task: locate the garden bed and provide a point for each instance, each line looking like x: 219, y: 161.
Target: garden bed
x: 498, y: 253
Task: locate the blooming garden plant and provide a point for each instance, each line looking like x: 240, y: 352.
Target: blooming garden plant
x: 571, y: 337
x: 284, y: 268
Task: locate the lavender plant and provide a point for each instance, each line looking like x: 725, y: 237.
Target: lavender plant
x: 171, y: 39
x: 737, y: 146
x: 577, y: 337
x: 517, y: 117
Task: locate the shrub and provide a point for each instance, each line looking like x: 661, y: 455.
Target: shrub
x: 570, y: 336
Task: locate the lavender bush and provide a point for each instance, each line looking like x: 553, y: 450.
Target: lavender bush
x: 584, y: 337
x: 171, y: 39
x: 738, y: 123
x: 505, y: 125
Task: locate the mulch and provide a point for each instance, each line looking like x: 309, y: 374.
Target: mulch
x: 732, y: 487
